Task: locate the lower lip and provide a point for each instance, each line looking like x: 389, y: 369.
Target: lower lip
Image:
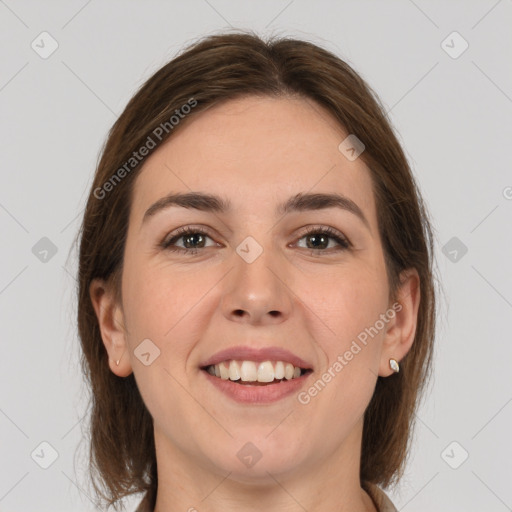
x: 247, y: 394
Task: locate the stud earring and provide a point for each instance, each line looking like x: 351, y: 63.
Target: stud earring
x: 117, y: 362
x: 393, y: 364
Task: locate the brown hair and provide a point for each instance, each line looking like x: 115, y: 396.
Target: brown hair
x: 215, y: 69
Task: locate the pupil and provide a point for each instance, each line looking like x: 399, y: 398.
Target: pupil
x: 317, y: 238
x: 189, y: 237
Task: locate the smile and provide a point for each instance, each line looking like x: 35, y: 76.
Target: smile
x: 250, y: 371
x: 251, y: 382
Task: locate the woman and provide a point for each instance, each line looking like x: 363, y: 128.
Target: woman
x: 256, y: 295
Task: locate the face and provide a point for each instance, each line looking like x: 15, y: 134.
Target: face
x: 254, y: 276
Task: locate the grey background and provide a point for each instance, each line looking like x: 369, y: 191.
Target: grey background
x: 453, y: 116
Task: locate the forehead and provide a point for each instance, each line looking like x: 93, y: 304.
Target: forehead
x: 256, y: 151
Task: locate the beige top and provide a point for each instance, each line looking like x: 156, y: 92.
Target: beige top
x: 380, y: 499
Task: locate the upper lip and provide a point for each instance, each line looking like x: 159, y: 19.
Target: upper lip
x: 245, y: 353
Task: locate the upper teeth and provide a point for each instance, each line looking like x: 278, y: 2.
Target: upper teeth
x: 249, y: 371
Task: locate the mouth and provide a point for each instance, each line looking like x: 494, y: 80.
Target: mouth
x: 247, y: 387
x: 256, y: 376
x: 250, y: 373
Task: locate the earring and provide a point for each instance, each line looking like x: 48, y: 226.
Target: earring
x: 117, y: 362
x: 393, y: 364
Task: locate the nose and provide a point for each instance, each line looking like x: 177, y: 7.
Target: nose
x: 258, y: 293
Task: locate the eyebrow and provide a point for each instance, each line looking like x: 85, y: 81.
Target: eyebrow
x: 298, y: 203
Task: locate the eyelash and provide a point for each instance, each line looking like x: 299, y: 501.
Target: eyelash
x: 329, y: 232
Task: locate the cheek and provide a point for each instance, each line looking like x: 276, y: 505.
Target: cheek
x: 158, y: 299
x: 173, y: 309
x: 159, y: 306
x: 346, y: 303
x: 350, y: 306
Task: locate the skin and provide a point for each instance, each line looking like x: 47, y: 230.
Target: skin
x: 256, y: 152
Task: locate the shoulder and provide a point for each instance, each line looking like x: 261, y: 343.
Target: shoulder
x: 379, y: 497
x: 144, y: 506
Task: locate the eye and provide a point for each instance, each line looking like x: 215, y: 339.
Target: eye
x: 193, y: 240
x: 318, y: 239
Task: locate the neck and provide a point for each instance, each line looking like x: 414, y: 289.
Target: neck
x: 324, y: 484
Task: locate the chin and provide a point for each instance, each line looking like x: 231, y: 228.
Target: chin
x: 253, y: 459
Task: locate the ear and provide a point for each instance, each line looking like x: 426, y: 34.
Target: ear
x: 402, y: 328
x: 112, y: 326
